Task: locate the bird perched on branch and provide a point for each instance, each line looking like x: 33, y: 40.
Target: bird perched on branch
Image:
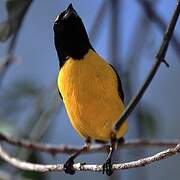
x: 89, y: 87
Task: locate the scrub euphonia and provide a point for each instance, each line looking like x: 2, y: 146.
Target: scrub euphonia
x: 89, y: 87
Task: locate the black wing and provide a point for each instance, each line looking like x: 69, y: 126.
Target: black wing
x: 60, y: 94
x: 120, y: 90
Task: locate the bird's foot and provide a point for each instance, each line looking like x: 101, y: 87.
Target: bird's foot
x: 68, y: 166
x: 107, y: 167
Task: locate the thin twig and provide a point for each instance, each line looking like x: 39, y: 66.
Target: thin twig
x: 53, y: 149
x: 159, y: 58
x: 114, y: 32
x: 99, y: 18
x: 83, y: 167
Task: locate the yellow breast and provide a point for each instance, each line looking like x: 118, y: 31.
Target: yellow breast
x: 90, y: 93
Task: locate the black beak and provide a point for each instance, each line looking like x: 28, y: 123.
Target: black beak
x: 70, y: 7
x: 69, y: 11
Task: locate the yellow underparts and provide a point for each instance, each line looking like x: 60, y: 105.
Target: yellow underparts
x: 90, y: 93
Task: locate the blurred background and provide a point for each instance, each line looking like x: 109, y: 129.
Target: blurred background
x: 125, y: 33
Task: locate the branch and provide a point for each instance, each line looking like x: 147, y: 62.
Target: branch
x: 10, y: 50
x: 83, y: 167
x: 41, y: 120
x: 52, y: 149
x: 159, y: 58
x: 156, y: 18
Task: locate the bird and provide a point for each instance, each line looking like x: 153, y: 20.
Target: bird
x: 89, y: 87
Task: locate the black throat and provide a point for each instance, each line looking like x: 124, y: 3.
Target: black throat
x: 78, y: 48
x: 70, y: 36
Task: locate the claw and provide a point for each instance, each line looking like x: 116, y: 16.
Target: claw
x: 68, y: 166
x: 107, y: 166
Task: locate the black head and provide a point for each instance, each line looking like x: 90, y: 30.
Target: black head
x: 71, y: 39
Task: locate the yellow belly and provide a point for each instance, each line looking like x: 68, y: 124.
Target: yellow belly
x: 90, y: 93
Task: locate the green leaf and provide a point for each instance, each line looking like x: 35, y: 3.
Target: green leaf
x: 16, y: 10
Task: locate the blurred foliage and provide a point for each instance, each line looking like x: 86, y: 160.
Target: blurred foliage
x: 25, y: 102
x: 17, y: 100
x: 15, y: 13
x: 6, y: 127
x: 147, y: 118
x: 1, y: 162
x: 18, y: 104
x: 16, y: 97
x: 34, y: 157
